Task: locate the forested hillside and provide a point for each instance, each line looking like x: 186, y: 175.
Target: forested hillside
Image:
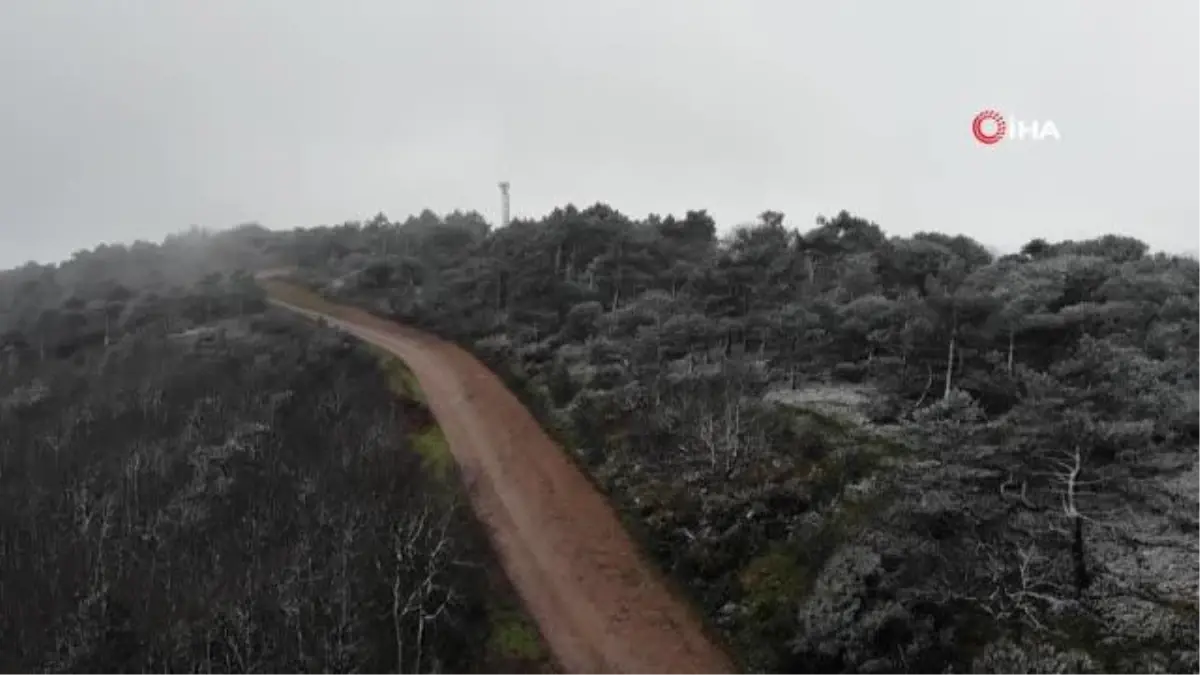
x: 856, y: 452
x: 193, y: 482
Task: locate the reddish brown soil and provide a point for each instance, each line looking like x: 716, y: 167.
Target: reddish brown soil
x: 600, y: 606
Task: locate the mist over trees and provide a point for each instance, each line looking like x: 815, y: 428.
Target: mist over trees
x: 856, y: 452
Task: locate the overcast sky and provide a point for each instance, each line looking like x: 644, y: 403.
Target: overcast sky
x: 126, y: 120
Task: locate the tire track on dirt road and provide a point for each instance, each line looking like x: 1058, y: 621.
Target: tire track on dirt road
x: 599, y: 605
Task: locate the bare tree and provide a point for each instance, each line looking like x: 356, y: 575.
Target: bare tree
x: 421, y: 595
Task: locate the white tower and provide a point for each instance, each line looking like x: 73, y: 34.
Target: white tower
x: 503, y: 203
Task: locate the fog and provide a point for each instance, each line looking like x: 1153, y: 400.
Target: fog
x: 126, y: 120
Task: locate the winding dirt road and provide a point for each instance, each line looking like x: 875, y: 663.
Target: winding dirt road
x: 600, y: 606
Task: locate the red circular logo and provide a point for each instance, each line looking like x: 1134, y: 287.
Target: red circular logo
x: 989, y: 127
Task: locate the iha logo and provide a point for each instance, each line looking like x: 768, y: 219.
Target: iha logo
x: 990, y: 127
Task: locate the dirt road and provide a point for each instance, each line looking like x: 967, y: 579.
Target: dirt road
x: 600, y: 607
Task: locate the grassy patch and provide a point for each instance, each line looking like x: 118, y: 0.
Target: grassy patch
x: 431, y: 444
x: 427, y: 439
x: 430, y: 441
x: 513, y: 636
x: 400, y: 380
x: 772, y: 587
x: 774, y: 580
